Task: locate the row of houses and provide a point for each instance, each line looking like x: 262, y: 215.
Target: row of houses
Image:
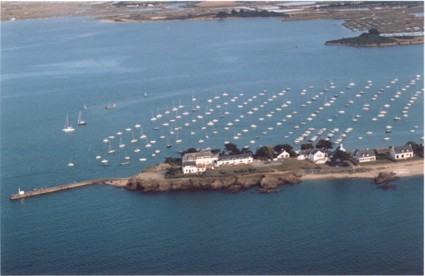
x: 396, y: 153
x: 199, y: 162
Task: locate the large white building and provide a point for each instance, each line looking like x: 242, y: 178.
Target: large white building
x: 401, y: 152
x: 239, y: 159
x: 198, y: 162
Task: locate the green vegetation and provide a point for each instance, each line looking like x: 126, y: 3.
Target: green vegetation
x: 173, y: 161
x: 307, y: 146
x: 288, y: 148
x: 231, y: 149
x: 418, y: 149
x: 264, y: 152
x: 324, y: 144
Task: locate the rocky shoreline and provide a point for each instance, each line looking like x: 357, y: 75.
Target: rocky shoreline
x: 153, y: 179
x: 266, y: 183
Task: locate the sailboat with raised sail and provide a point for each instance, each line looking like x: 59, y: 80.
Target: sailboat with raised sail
x: 67, y: 128
x: 80, y: 121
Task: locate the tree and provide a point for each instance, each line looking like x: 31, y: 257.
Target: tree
x: 222, y: 14
x: 341, y: 155
x: 266, y: 152
x: 173, y: 161
x: 246, y: 150
x: 324, y: 144
x: 231, y: 149
x: 418, y: 149
x: 307, y: 146
x: 288, y: 148
x: 215, y: 151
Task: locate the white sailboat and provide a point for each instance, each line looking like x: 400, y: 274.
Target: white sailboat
x: 110, y: 151
x: 133, y: 140
x: 121, y: 144
x: 67, y: 128
x: 80, y: 122
x: 178, y: 140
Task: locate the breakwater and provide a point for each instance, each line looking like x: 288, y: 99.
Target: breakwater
x: 42, y: 191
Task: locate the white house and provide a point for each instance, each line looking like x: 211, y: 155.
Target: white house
x: 198, y: 162
x: 303, y: 154
x: 191, y: 167
x: 283, y: 155
x: 317, y: 156
x: 238, y: 159
x: 401, y: 152
x: 365, y: 155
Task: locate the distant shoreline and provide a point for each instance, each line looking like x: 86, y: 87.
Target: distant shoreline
x: 357, y: 16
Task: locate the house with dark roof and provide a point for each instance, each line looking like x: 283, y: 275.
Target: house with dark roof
x: 401, y: 152
x: 364, y: 155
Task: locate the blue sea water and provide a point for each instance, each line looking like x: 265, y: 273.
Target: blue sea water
x: 50, y: 68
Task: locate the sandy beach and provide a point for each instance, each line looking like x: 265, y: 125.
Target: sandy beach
x: 401, y: 169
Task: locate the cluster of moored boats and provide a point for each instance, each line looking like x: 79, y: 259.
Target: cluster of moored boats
x: 306, y: 116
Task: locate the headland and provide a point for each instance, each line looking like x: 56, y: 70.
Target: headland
x: 266, y: 177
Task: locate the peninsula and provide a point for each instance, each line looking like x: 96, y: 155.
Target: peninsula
x: 234, y: 169
x: 268, y: 175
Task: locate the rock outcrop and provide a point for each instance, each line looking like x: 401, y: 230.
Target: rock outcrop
x: 265, y: 182
x: 385, y: 177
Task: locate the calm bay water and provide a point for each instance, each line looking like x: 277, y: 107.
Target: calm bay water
x: 51, y: 68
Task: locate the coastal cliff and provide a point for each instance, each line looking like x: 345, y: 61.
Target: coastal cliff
x: 266, y: 183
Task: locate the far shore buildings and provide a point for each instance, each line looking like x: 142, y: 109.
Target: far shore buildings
x: 401, y: 152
